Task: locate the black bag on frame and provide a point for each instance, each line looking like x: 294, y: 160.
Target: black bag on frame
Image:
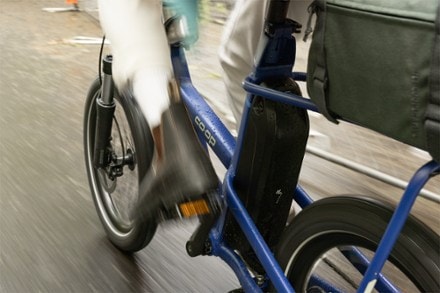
x: 376, y: 64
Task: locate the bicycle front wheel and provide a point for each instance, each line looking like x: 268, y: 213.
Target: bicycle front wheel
x: 115, y: 188
x: 329, y: 244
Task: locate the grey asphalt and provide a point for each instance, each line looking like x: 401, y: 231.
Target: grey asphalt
x: 51, y: 239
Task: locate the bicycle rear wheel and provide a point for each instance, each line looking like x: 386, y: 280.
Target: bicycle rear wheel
x: 131, y: 147
x: 325, y: 244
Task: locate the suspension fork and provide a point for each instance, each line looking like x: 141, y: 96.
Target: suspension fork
x: 105, y: 108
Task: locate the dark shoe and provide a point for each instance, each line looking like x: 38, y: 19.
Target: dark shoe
x: 186, y: 173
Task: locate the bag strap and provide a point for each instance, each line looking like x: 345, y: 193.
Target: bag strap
x: 319, y: 77
x: 432, y: 122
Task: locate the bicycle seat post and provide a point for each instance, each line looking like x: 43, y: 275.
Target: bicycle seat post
x: 277, y: 11
x: 278, y: 46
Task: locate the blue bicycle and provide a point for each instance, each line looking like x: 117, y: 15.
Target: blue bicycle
x: 337, y: 244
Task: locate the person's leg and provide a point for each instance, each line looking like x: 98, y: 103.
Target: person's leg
x: 238, y: 48
x: 142, y: 67
x: 141, y: 63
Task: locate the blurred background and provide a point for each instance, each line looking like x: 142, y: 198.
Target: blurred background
x: 51, y: 239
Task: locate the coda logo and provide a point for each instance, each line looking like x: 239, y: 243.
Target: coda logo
x: 209, y: 137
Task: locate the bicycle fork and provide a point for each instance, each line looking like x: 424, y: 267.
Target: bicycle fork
x: 105, y: 108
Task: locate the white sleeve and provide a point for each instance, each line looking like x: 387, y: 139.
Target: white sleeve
x: 141, y: 55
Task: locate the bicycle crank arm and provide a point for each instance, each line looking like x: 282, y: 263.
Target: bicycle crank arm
x: 199, y: 243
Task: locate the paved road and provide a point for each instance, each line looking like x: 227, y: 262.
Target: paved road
x: 50, y: 236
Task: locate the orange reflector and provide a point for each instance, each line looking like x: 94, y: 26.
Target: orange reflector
x: 72, y: 1
x: 194, y: 208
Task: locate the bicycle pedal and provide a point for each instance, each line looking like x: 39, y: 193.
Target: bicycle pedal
x: 194, y: 208
x: 208, y: 204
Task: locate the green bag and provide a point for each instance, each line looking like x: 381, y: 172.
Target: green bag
x: 374, y: 63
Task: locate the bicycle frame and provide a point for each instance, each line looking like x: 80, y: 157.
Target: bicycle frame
x: 213, y: 133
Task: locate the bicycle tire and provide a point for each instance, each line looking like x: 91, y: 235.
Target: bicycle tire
x: 126, y: 234
x: 346, y: 221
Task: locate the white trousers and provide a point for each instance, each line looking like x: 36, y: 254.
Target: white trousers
x: 141, y: 55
